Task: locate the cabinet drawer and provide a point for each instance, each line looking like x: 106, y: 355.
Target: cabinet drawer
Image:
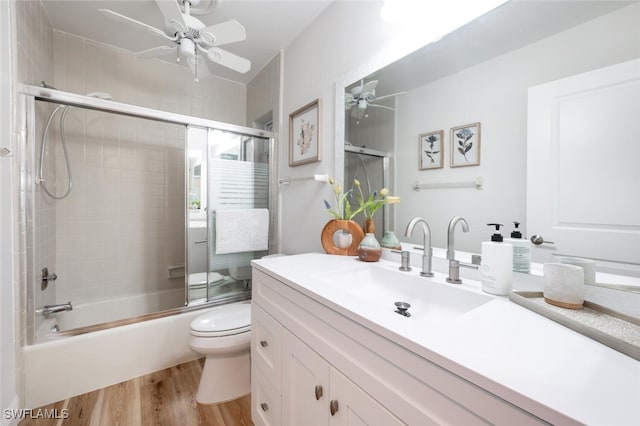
x: 266, y: 407
x: 266, y: 345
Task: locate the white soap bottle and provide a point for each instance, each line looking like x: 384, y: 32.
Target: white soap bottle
x: 496, y: 266
x: 521, y: 250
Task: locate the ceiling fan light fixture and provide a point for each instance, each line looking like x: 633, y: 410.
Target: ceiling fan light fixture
x: 187, y: 47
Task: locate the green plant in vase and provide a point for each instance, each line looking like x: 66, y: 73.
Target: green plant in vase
x: 371, y: 204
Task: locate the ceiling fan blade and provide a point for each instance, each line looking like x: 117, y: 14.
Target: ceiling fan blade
x: 388, y: 96
x: 369, y: 87
x: 226, y: 32
x: 125, y: 19
x: 172, y: 14
x: 155, y: 52
x: 228, y: 59
x: 381, y: 106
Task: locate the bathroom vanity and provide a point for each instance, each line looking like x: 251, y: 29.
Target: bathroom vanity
x: 328, y: 347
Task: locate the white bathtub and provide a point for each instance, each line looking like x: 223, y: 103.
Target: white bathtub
x: 105, y: 311
x: 64, y: 367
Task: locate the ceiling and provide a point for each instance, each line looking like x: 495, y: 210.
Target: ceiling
x: 271, y: 25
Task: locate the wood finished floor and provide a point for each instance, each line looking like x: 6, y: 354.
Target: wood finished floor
x: 164, y: 398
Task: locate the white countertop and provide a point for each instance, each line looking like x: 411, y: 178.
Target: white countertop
x: 516, y: 354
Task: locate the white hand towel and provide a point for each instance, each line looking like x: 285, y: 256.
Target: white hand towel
x: 241, y: 230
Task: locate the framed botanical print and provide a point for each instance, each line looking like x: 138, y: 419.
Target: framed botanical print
x: 430, y: 150
x: 304, y: 134
x: 465, y: 145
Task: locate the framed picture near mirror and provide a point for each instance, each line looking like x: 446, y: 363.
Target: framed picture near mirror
x: 430, y: 150
x: 465, y: 145
x: 304, y: 134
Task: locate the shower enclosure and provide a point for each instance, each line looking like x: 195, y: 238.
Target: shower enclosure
x: 121, y: 206
x: 371, y: 168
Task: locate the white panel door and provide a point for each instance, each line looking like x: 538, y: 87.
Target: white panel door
x: 583, y: 165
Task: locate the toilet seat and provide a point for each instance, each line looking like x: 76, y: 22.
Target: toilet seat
x: 199, y: 279
x: 223, y: 321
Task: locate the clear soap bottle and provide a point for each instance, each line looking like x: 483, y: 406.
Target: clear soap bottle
x: 521, y: 250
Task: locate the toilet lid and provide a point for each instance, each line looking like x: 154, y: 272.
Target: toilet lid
x: 224, y: 320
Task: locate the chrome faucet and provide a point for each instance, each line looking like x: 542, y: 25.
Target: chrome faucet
x: 54, y: 309
x: 428, y: 251
x: 454, y: 265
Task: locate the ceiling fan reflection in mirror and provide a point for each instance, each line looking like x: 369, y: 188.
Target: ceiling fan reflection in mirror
x: 363, y: 96
x: 189, y: 39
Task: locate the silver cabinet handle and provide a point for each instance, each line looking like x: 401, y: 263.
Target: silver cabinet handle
x: 318, y: 392
x: 264, y: 406
x: 200, y: 242
x: 333, y: 407
x: 264, y: 343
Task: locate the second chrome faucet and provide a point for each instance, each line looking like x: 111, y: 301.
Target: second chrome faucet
x: 454, y: 265
x: 428, y: 251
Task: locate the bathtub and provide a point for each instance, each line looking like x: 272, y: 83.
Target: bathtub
x: 65, y: 366
x: 105, y: 311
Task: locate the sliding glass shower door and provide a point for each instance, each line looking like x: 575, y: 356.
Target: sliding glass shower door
x: 228, y: 212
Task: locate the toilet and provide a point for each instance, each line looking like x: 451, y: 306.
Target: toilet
x: 198, y: 283
x: 223, y: 335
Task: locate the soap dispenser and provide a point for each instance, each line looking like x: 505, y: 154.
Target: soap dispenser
x: 521, y: 250
x: 497, y: 261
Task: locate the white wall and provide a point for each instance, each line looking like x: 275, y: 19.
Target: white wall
x: 495, y: 94
x: 331, y: 47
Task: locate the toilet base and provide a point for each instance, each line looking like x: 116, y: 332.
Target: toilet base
x: 224, y: 378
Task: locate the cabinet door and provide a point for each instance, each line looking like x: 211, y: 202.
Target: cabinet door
x: 305, y: 384
x: 350, y: 405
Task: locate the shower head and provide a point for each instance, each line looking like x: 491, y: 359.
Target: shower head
x: 100, y: 95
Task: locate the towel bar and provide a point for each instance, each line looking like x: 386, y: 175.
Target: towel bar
x: 478, y: 183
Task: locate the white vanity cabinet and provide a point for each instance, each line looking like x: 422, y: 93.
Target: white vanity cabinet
x: 309, y: 355
x: 315, y: 393
x: 293, y: 385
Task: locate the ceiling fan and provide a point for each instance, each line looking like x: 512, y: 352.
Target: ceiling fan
x: 190, y: 39
x: 364, y: 96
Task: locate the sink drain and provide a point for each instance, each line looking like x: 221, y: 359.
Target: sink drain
x: 402, y: 309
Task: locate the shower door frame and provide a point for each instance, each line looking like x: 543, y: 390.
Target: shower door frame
x: 385, y: 174
x: 26, y: 103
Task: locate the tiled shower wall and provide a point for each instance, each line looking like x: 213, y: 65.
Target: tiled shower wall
x: 123, y: 223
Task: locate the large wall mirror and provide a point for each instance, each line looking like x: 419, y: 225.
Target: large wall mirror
x: 482, y: 73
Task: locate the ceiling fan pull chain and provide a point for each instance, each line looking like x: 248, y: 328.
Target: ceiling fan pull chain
x: 195, y: 71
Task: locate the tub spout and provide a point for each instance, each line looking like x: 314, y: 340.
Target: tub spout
x: 47, y: 310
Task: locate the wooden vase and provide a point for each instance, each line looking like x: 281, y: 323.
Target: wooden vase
x: 349, y: 226
x: 369, y: 226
